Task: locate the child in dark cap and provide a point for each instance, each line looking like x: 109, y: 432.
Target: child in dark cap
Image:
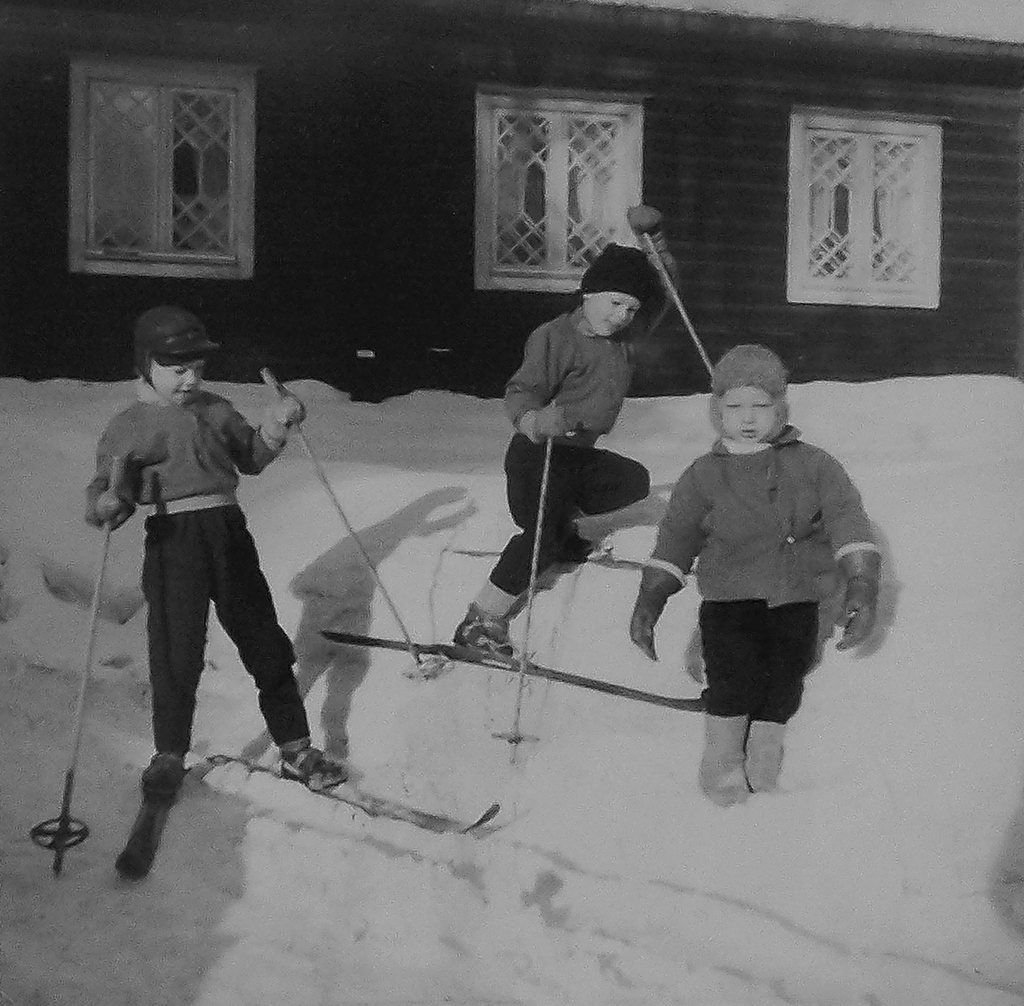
x: 764, y: 516
x: 575, y: 373
x: 183, y: 449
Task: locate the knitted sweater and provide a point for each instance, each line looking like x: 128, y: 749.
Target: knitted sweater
x: 588, y: 376
x: 764, y: 525
x: 193, y: 449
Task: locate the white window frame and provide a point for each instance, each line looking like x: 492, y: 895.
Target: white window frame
x: 627, y: 184
x: 860, y: 287
x: 83, y: 257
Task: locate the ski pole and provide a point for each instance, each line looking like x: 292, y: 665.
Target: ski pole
x: 272, y: 382
x: 645, y: 223
x: 514, y: 736
x: 670, y: 289
x: 64, y: 832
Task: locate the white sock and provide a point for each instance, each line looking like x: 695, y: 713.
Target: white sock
x: 493, y: 600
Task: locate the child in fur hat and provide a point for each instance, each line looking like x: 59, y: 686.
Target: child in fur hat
x: 764, y: 516
x: 575, y: 373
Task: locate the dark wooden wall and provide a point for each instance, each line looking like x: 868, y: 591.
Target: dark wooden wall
x: 364, y: 202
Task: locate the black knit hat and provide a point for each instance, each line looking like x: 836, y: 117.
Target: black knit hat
x: 622, y: 270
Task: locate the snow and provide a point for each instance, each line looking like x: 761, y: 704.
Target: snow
x: 888, y: 871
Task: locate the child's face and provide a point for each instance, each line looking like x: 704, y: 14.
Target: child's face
x: 609, y: 312
x: 175, y: 381
x: 747, y: 414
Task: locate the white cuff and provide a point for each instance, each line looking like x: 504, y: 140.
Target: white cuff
x: 856, y: 546
x: 668, y: 567
x: 527, y: 424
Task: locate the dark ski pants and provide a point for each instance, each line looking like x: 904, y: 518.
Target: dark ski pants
x: 756, y: 657
x: 191, y: 559
x: 582, y: 480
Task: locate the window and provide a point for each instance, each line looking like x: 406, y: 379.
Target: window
x: 161, y: 177
x: 555, y: 177
x: 864, y: 210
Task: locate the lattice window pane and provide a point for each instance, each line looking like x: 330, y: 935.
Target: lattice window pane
x: 894, y: 210
x: 201, y: 178
x: 830, y: 184
x: 523, y: 147
x: 865, y: 206
x: 555, y: 177
x: 591, y: 194
x: 124, y: 166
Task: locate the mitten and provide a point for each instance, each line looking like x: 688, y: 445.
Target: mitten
x: 862, y: 570
x: 543, y: 424
x: 108, y: 509
x: 656, y: 587
x: 115, y: 504
x: 286, y: 411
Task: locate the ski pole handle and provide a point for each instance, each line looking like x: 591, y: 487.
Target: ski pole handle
x: 271, y: 381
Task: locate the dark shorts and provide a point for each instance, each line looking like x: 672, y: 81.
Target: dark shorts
x: 756, y: 657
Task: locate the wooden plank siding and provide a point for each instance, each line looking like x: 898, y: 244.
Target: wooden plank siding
x: 365, y: 194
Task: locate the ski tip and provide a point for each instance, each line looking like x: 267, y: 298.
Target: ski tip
x: 487, y: 816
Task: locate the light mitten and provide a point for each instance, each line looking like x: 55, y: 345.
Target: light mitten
x: 115, y: 504
x: 279, y: 416
x: 543, y: 424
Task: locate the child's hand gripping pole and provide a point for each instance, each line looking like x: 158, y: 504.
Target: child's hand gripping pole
x: 429, y: 664
x: 645, y: 222
x: 115, y: 504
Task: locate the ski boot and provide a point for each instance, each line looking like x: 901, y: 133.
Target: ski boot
x: 163, y: 777
x: 721, y: 774
x: 480, y: 630
x: 764, y: 755
x: 302, y: 762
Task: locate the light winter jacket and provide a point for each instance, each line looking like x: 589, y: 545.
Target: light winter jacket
x: 765, y: 525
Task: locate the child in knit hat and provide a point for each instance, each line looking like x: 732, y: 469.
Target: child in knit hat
x: 764, y: 516
x: 575, y: 373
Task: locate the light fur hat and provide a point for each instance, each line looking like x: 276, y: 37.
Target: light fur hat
x: 750, y: 366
